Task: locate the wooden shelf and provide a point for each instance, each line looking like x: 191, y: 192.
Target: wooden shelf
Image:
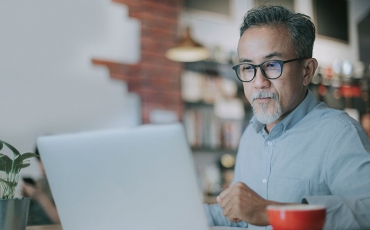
x: 210, y: 150
x: 213, y: 68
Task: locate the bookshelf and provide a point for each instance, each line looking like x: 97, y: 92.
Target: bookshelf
x: 215, y: 109
x: 216, y: 113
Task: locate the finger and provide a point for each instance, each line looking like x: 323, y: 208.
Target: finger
x: 224, y: 193
x: 218, y: 199
x: 26, y: 186
x: 236, y: 220
x: 37, y: 185
x: 241, y: 185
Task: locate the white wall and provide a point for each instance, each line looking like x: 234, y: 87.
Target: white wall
x: 47, y: 81
x: 211, y: 31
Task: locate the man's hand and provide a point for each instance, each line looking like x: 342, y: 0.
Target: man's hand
x: 32, y: 191
x: 239, y: 202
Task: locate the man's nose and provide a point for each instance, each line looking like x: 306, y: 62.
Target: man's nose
x: 260, y: 81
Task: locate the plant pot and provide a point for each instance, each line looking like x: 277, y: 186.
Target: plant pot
x: 14, y: 213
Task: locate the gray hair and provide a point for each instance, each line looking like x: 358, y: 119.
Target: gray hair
x: 300, y: 26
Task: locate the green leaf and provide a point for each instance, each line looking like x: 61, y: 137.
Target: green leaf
x: 24, y: 165
x: 12, y: 167
x: 19, y: 161
x: 25, y: 156
x: 14, y: 150
x: 8, y: 183
x: 5, y: 163
x: 8, y: 188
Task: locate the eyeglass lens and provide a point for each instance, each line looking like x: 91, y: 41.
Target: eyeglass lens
x: 271, y: 69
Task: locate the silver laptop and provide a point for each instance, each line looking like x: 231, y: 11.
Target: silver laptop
x: 140, y: 178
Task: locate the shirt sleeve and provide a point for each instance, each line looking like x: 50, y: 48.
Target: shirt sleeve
x: 348, y: 178
x: 216, y: 218
x: 214, y: 211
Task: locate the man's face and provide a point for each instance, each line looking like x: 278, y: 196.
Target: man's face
x: 273, y: 99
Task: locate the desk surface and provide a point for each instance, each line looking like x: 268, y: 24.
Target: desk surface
x: 59, y: 227
x: 45, y: 227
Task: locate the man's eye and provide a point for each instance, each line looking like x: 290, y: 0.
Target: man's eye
x: 247, y: 67
x: 272, y: 65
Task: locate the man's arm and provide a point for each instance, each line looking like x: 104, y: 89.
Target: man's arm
x: 36, y: 193
x: 240, y: 203
x: 216, y: 218
x: 348, y: 177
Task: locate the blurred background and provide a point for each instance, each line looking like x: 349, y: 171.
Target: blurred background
x: 81, y: 65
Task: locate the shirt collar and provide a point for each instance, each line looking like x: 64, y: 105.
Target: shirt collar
x: 293, y: 118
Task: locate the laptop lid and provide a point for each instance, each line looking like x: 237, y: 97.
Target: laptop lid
x: 139, y: 179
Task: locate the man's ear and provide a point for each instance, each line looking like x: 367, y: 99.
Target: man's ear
x: 310, y: 66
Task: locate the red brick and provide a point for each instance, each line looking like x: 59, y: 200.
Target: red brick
x: 155, y: 78
x: 173, y: 66
x: 161, y: 9
x: 164, y: 84
x: 169, y: 3
x: 158, y: 33
x: 149, y: 44
x: 156, y: 58
x: 158, y: 21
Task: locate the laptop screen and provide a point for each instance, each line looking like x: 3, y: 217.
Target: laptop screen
x: 138, y: 178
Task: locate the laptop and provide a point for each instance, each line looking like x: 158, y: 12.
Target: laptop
x: 140, y: 178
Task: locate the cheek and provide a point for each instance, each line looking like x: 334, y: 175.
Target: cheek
x: 283, y: 89
x: 247, y: 91
x: 287, y: 95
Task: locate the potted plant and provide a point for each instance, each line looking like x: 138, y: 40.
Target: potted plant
x: 13, y: 211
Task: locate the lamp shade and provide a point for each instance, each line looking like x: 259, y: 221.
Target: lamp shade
x: 187, y: 50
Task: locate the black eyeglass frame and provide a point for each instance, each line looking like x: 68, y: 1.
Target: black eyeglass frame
x: 281, y: 63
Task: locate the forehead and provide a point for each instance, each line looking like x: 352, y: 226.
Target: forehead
x: 265, y: 42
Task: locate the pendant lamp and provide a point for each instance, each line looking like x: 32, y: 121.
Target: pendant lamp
x: 187, y: 50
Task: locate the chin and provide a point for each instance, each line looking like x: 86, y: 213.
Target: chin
x: 267, y: 117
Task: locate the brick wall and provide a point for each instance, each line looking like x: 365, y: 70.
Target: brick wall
x: 155, y: 78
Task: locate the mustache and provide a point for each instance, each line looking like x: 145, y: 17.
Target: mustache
x: 264, y: 94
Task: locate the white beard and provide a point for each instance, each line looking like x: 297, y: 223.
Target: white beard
x: 262, y: 114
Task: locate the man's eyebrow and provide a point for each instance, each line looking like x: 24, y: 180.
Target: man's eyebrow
x: 269, y: 56
x: 274, y: 54
x: 245, y: 60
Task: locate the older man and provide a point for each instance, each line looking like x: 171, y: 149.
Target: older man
x: 295, y: 149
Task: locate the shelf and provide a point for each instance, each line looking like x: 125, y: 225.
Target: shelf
x: 206, y: 130
x: 213, y: 68
x: 210, y: 150
x: 197, y: 104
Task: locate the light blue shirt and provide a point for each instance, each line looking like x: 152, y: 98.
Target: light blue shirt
x: 315, y: 153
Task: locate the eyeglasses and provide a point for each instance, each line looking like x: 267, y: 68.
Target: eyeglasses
x: 271, y: 69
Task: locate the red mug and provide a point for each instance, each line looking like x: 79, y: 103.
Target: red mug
x: 296, y: 217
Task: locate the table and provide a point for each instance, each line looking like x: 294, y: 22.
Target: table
x: 59, y: 227
x: 45, y: 227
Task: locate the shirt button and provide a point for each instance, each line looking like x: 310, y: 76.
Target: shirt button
x: 264, y: 181
x: 269, y: 143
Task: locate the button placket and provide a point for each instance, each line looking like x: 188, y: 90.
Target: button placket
x: 267, y: 159
x: 266, y: 168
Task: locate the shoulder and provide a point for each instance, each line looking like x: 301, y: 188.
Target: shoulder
x: 325, y: 116
x: 324, y: 124
x: 337, y: 126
